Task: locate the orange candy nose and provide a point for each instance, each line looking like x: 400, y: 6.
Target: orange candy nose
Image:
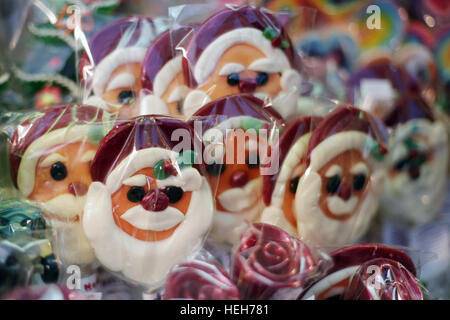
x: 78, y: 188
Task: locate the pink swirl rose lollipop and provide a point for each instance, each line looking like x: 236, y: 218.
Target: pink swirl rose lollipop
x: 200, y: 280
x: 269, y: 263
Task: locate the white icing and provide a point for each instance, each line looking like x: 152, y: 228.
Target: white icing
x: 339, y: 206
x: 209, y: 58
x: 189, y: 179
x: 231, y: 68
x: 111, y: 62
x: 360, y: 168
x: 122, y: 80
x: 166, y: 75
x: 337, y: 144
x: 138, y: 180
x: 140, y: 159
x: 151, y: 220
x: 333, y: 171
x: 152, y: 104
x: 239, y: 199
x: 65, y: 206
x: 194, y: 101
x: 286, y: 100
x: 27, y: 167
x: 88, y: 156
x: 266, y: 65
x: 145, y: 262
x: 178, y: 94
x: 51, y: 159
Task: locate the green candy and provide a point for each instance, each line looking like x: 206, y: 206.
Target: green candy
x: 270, y: 33
x: 251, y: 123
x: 284, y: 44
x: 95, y: 134
x: 158, y: 170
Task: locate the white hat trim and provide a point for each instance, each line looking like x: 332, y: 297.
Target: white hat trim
x: 336, y: 144
x: 27, y: 167
x: 211, y: 55
x: 166, y: 74
x: 111, y: 62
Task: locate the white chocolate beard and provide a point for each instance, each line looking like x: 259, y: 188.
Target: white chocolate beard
x: 71, y: 245
x: 246, y: 204
x: 142, y: 261
x: 338, y: 206
x: 238, y: 200
x: 312, y: 223
x: 64, y: 208
x: 151, y: 220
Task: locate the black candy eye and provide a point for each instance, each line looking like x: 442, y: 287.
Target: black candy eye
x: 333, y: 184
x: 293, y: 184
x: 127, y: 97
x: 3, y: 221
x: 38, y: 224
x: 262, y: 78
x: 136, y: 194
x: 233, y: 79
x: 26, y: 222
x: 11, y: 261
x: 252, y: 161
x: 216, y: 169
x: 359, y: 181
x: 58, y: 171
x: 174, y: 194
x: 399, y: 165
x: 51, y: 270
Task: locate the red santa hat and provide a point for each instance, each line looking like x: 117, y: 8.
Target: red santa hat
x: 124, y: 41
x: 163, y: 62
x: 346, y: 128
x: 231, y: 26
x: 56, y: 126
x: 124, y: 150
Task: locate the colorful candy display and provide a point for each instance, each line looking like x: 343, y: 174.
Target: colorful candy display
x: 226, y: 153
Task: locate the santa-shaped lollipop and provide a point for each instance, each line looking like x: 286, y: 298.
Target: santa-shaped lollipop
x: 417, y: 163
x: 113, y: 64
x: 242, y: 50
x: 236, y: 134
x: 149, y: 207
x: 280, y: 189
x: 50, y: 159
x: 338, y: 194
x: 162, y: 74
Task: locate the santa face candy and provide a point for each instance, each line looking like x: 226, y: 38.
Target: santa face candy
x: 242, y: 50
x: 351, y: 262
x: 50, y: 158
x: 280, y: 189
x: 149, y: 207
x: 417, y: 162
x: 235, y: 144
x: 162, y: 74
x: 115, y: 62
x: 338, y: 195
